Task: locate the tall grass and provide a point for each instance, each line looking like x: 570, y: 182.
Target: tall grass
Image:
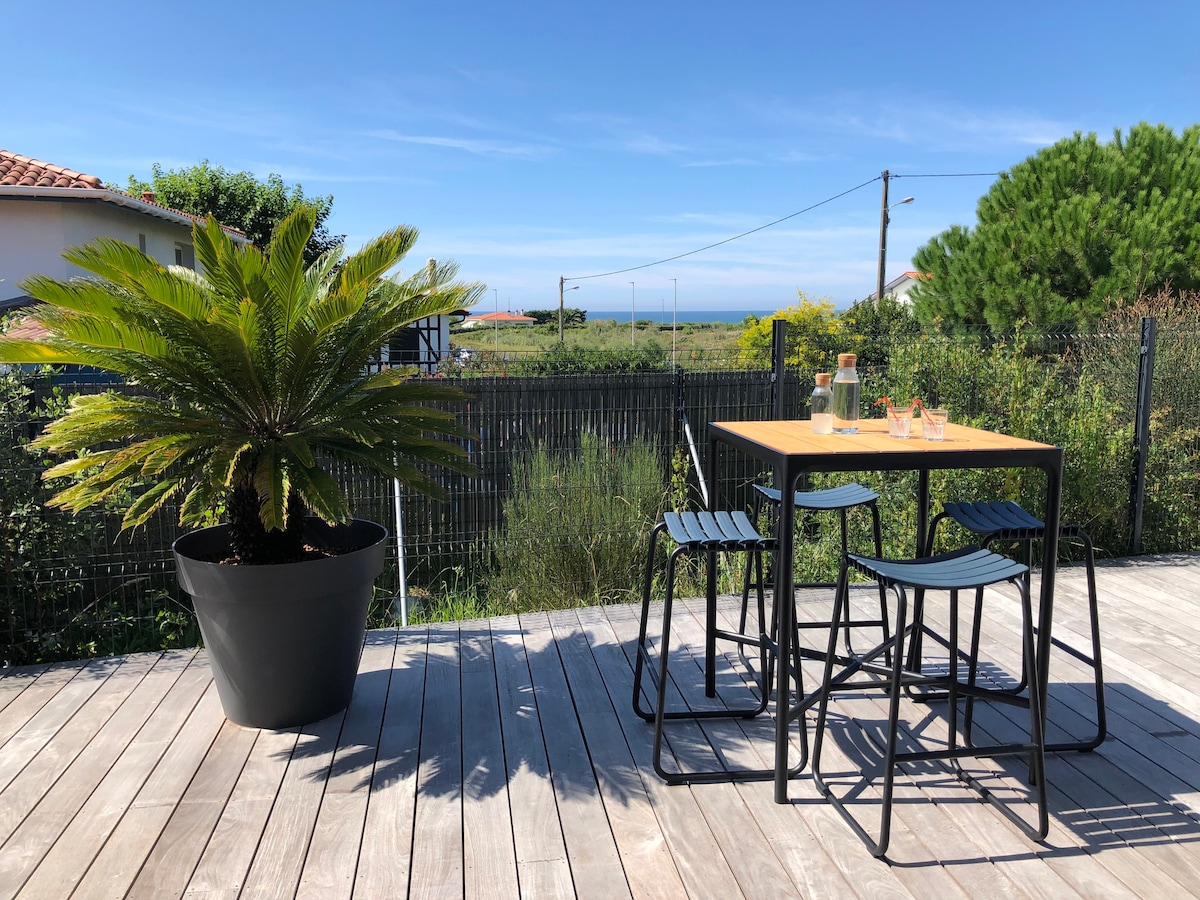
x: 575, y: 523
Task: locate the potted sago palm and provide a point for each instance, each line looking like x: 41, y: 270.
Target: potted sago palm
x: 253, y: 380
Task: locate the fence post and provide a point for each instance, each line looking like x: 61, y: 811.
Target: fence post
x: 1141, y: 429
x: 778, y: 369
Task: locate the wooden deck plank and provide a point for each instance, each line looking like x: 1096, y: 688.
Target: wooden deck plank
x: 594, y: 859
x: 177, y: 850
x: 34, y: 694
x: 645, y: 857
x: 487, y: 760
x: 32, y: 829
x: 908, y: 819
x: 15, y: 679
x: 541, y: 853
x: 918, y: 810
x: 332, y: 860
x: 64, y: 864
x: 135, y: 837
x: 1075, y: 790
x: 24, y: 791
x: 226, y: 857
x: 745, y: 744
x: 279, y: 859
x: 489, y: 856
x: 696, y: 850
x: 56, y: 712
x: 385, y: 857
x: 437, y: 845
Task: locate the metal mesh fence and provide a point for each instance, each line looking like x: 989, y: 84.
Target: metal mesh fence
x: 564, y: 495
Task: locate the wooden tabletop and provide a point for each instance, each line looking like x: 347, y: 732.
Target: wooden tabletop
x: 795, y: 437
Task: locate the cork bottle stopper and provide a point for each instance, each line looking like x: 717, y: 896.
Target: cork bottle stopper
x: 847, y: 360
x: 822, y: 379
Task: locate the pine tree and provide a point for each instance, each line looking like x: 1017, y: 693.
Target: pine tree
x: 1074, y: 230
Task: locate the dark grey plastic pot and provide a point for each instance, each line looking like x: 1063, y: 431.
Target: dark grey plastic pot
x: 283, y: 640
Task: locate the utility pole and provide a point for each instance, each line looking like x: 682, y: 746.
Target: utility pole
x: 884, y: 219
x: 883, y: 224
x: 560, y: 305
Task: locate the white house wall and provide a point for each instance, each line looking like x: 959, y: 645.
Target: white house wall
x: 34, y: 233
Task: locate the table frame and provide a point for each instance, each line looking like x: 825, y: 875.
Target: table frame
x: 792, y: 450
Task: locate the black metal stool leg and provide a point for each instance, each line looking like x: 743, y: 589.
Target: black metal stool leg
x: 641, y: 656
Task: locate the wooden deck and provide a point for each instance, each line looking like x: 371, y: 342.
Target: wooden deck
x: 501, y: 758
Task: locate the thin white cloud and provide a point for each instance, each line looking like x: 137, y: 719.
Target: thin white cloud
x: 651, y: 145
x: 716, y: 163
x: 467, y: 145
x: 926, y: 121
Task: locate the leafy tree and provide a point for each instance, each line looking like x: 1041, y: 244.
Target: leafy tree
x: 874, y: 326
x: 572, y: 316
x: 255, y: 380
x: 1073, y: 230
x: 240, y: 200
x: 814, y: 335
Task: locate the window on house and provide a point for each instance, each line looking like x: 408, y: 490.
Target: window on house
x: 142, y: 242
x: 185, y: 255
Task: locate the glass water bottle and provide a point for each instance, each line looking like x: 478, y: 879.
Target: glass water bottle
x: 821, y: 408
x: 846, y: 389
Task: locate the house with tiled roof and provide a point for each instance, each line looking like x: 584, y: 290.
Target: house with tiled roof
x: 899, y: 287
x: 46, y: 208
x: 492, y: 319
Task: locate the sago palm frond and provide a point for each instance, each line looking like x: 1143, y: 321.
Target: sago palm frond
x: 255, y: 371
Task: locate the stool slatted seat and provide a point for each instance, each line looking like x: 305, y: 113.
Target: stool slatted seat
x: 840, y: 499
x: 699, y: 534
x: 970, y: 569
x: 1005, y: 521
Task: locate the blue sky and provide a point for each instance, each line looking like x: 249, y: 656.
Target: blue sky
x: 536, y: 140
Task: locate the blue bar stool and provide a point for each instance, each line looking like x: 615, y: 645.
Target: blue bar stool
x: 1005, y: 521
x: 698, y: 534
x: 841, y: 500
x: 952, y: 572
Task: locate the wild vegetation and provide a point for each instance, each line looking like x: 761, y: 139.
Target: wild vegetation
x: 645, y: 336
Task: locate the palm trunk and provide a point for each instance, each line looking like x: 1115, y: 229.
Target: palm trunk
x: 250, y: 542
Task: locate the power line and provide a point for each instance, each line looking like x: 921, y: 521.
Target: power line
x: 777, y: 221
x: 727, y: 240
x: 955, y: 175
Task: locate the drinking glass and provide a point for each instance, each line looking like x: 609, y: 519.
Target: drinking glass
x: 899, y: 423
x: 933, y: 424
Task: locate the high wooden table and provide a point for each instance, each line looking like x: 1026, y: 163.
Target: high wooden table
x: 792, y: 450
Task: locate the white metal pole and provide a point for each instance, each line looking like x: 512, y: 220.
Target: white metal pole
x: 398, y: 509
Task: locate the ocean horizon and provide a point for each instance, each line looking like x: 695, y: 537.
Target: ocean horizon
x: 697, y: 316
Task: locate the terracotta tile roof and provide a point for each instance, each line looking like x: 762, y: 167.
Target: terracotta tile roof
x: 27, y: 330
x: 22, y: 170
x: 501, y: 317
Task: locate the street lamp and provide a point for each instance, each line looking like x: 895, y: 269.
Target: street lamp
x: 884, y: 209
x: 632, y: 313
x: 574, y: 287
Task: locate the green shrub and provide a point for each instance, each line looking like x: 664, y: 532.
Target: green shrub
x: 40, y: 548
x: 575, y: 525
